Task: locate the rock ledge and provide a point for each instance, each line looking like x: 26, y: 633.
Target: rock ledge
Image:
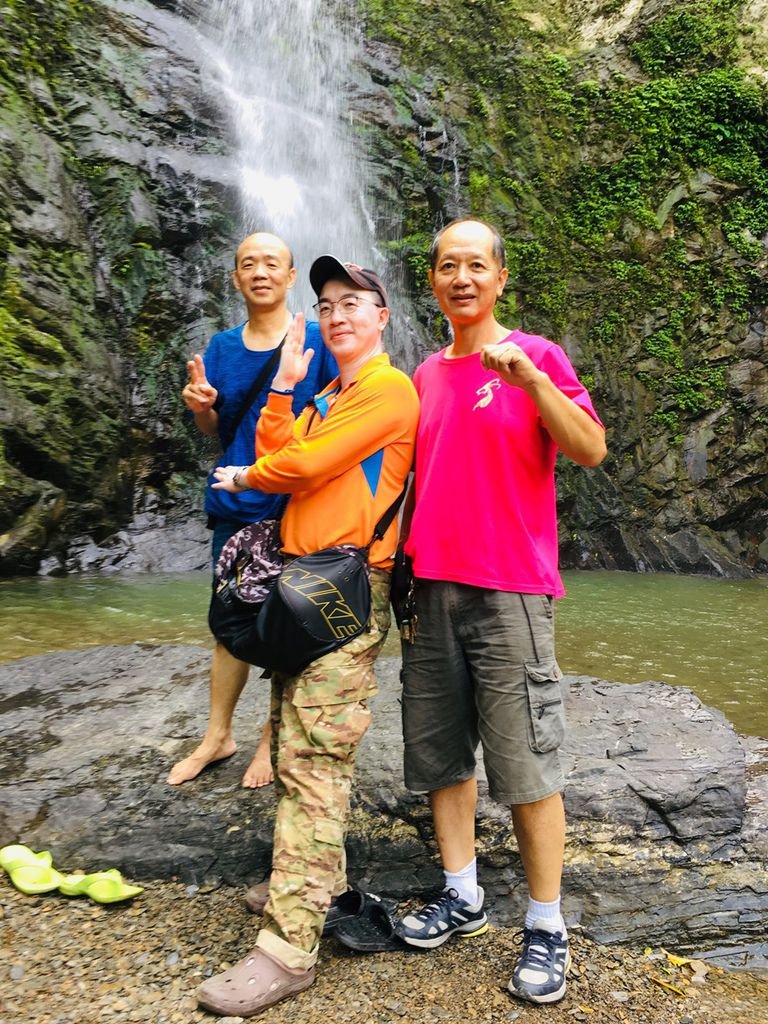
x: 667, y: 805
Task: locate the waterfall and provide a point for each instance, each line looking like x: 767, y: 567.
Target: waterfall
x: 280, y: 72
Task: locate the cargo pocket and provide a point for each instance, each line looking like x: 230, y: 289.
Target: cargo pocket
x: 335, y: 729
x: 329, y: 832
x: 545, y: 706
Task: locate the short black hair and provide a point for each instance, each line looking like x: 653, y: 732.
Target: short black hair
x: 498, y: 248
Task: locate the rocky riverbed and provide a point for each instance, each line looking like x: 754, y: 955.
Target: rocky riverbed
x: 667, y: 805
x: 70, y: 961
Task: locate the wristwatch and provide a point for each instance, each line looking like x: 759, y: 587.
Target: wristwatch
x: 236, y: 477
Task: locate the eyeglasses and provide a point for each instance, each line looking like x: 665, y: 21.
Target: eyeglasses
x: 348, y: 305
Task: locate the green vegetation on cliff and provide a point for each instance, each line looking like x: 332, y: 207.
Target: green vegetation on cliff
x: 608, y: 180
x: 37, y: 35
x: 92, y: 315
x: 63, y: 413
x: 628, y: 169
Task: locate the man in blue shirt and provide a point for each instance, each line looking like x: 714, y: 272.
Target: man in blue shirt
x: 218, y: 385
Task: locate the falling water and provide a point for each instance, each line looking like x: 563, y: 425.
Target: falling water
x: 281, y: 72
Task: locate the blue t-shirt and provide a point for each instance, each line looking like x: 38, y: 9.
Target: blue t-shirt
x: 232, y: 368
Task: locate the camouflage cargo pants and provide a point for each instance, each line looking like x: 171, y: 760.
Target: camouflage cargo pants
x: 318, y: 720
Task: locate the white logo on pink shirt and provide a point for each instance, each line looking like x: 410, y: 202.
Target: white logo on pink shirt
x: 486, y: 393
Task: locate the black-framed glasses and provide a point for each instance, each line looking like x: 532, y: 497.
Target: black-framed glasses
x: 348, y: 305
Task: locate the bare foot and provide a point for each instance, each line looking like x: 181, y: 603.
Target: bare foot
x: 190, y: 767
x: 259, y: 772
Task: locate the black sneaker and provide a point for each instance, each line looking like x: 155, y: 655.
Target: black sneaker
x: 539, y: 976
x: 434, y: 924
x: 346, y: 907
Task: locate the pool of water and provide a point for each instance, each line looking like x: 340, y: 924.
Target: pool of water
x: 708, y: 634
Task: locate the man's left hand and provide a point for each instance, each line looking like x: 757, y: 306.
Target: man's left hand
x: 512, y: 365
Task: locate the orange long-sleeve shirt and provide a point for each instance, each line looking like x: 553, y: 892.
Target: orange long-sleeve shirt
x: 343, y: 461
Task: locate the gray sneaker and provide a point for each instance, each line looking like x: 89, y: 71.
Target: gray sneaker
x: 539, y: 976
x: 436, y: 922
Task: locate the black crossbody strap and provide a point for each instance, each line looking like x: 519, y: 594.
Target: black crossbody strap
x: 253, y: 392
x: 384, y: 523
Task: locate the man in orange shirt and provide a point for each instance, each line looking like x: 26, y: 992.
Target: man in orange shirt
x: 343, y: 462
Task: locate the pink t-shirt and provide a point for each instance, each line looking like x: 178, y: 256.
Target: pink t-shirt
x: 485, y: 485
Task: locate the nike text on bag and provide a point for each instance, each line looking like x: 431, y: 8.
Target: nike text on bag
x: 283, y: 618
x: 319, y: 602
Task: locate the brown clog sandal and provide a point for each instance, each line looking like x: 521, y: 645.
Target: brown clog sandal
x: 253, y: 984
x: 256, y: 897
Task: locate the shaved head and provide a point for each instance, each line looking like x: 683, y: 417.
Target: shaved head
x: 263, y: 240
x: 498, y: 250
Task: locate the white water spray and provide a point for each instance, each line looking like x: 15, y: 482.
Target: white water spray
x: 280, y: 71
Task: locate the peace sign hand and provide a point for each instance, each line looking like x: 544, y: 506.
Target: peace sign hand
x: 198, y: 395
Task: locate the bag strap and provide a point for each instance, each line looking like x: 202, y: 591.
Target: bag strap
x: 386, y: 520
x: 253, y: 392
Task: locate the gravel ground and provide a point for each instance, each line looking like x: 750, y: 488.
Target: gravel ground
x: 70, y: 961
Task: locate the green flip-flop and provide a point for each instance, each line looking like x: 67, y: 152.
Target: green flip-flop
x: 16, y: 856
x: 32, y: 873
x: 100, y: 886
x: 78, y: 884
x: 33, y: 879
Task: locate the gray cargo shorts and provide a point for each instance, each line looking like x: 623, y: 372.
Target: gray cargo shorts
x: 483, y: 670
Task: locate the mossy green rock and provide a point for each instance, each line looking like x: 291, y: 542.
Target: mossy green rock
x: 622, y: 149
x: 99, y: 228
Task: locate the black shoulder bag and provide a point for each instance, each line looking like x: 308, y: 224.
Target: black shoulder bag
x: 316, y: 604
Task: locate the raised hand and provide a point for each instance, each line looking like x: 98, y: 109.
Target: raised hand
x: 511, y: 363
x: 294, y: 361
x: 198, y: 395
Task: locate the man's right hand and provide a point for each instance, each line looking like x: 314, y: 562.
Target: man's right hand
x: 294, y: 361
x: 198, y: 395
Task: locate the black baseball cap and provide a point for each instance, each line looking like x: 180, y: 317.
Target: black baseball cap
x: 329, y: 268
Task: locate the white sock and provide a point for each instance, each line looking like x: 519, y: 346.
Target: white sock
x: 548, y: 913
x: 464, y: 882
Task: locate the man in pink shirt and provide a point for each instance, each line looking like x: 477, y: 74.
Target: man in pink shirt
x: 496, y: 406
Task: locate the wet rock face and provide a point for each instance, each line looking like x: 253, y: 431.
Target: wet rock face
x: 120, y: 216
x: 118, y: 241
x: 154, y: 541
x: 668, y: 829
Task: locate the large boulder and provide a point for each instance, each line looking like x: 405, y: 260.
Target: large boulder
x: 668, y: 816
